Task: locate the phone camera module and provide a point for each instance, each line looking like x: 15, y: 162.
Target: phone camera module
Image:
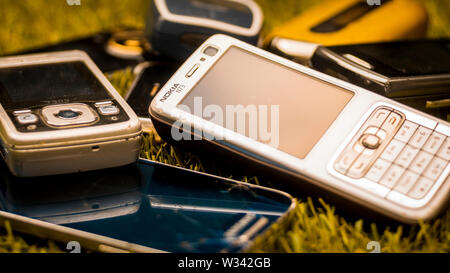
x: 210, y: 51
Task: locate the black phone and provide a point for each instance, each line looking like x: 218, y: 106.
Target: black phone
x: 147, y: 204
x: 416, y: 73
x: 149, y: 78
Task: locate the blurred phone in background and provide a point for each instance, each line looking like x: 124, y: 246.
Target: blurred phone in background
x: 416, y: 73
x: 355, y: 21
x: 111, y: 51
x: 146, y: 206
x: 177, y: 27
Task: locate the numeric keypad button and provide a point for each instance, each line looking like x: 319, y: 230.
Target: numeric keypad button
x: 406, y: 156
x: 421, y: 188
x: 406, y: 131
x: 392, y: 175
x: 434, y: 143
x: 444, y: 151
x: 392, y: 150
x: 377, y: 170
x: 420, y: 137
x: 406, y: 182
x: 435, y: 168
x: 420, y: 162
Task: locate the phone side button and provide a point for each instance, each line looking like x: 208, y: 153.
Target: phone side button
x: 192, y: 70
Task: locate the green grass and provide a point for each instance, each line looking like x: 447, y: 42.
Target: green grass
x: 314, y: 226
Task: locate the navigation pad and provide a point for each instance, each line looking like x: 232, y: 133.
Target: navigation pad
x: 369, y: 142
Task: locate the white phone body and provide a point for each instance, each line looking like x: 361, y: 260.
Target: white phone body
x: 417, y: 197
x: 106, y: 133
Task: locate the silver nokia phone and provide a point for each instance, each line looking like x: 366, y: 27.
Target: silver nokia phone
x: 293, y: 120
x: 59, y: 114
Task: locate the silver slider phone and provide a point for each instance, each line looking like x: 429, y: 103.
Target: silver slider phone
x: 318, y: 129
x: 59, y: 114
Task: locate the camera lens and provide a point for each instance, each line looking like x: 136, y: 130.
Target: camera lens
x: 68, y: 114
x: 210, y: 51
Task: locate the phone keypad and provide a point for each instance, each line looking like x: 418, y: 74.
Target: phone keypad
x: 369, y: 142
x: 398, y: 154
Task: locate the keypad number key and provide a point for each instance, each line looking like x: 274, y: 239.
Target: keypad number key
x: 421, y: 162
x: 406, y: 182
x: 406, y: 156
x: 420, y: 137
x: 392, y: 150
x: 434, y: 143
x: 435, y: 168
x: 392, y: 175
x: 406, y: 131
x: 421, y: 188
x: 444, y: 151
x: 377, y: 170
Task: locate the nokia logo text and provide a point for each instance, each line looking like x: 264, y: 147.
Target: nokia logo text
x: 175, y: 88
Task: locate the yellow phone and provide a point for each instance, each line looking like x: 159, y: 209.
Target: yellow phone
x: 356, y: 21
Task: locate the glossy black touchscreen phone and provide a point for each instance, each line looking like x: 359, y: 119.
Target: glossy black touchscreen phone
x: 149, y: 204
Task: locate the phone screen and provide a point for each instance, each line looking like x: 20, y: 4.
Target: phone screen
x: 33, y: 85
x: 306, y: 106
x: 149, y: 204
